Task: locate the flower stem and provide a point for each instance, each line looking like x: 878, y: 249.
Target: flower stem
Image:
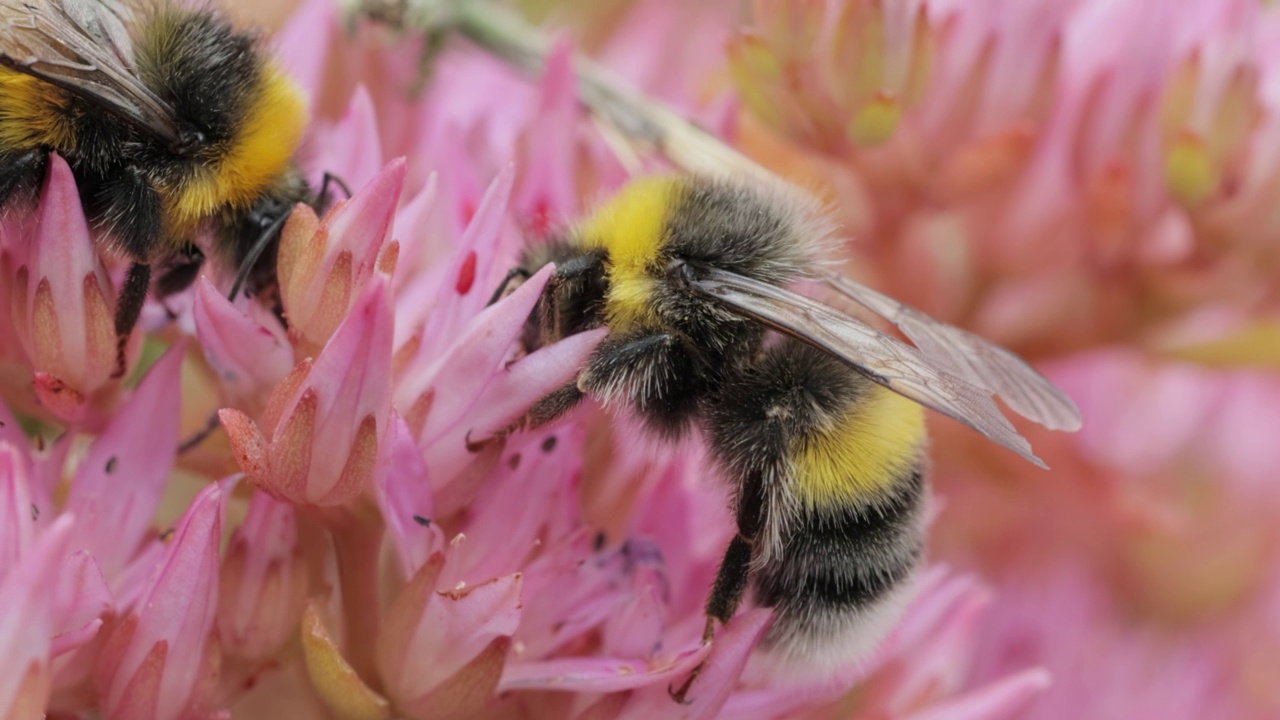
x: 357, y: 539
x: 647, y: 123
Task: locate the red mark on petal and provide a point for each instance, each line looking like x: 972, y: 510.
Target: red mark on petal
x: 540, y: 218
x: 467, y: 274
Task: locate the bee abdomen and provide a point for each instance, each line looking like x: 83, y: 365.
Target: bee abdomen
x: 840, y: 574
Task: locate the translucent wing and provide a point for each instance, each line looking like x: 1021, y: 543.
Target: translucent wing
x: 882, y: 358
x: 84, y: 47
x: 971, y: 357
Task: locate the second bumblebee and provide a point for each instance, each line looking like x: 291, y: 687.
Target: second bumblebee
x: 820, y: 431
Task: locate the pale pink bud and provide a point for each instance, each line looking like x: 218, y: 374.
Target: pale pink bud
x: 63, y: 301
x: 263, y: 581
x: 248, y: 354
x: 27, y: 624
x: 324, y: 265
x: 159, y: 661
x: 325, y: 423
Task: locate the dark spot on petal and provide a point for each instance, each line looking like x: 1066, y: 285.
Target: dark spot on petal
x: 597, y: 542
x: 111, y: 464
x: 549, y: 444
x: 466, y: 273
x: 35, y: 512
x: 424, y: 522
x: 166, y: 536
x: 514, y: 461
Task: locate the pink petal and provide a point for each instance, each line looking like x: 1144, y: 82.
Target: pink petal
x: 174, y: 617
x: 27, y: 623
x: 352, y: 379
x: 76, y: 345
x: 117, y: 485
x: 719, y: 677
x: 456, y: 626
x: 600, y: 674
x: 462, y: 371
x: 351, y: 148
x: 419, y: 219
x: 516, y: 387
x: 994, y: 701
x: 82, y: 600
x: 305, y: 42
x: 474, y: 272
x: 508, y: 517
x: 263, y: 583
x: 248, y: 356
x: 546, y: 195
x: 17, y: 524
x: 404, y: 497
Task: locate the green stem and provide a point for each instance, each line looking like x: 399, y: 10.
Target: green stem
x: 646, y: 123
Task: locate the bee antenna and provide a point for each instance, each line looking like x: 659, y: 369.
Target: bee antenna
x: 255, y: 252
x: 322, y: 198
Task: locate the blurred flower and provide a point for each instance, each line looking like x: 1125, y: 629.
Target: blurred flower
x: 263, y: 581
x: 1058, y: 174
x: 159, y: 660
x: 27, y: 624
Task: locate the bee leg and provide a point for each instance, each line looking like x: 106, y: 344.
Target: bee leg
x: 550, y: 407
x: 735, y: 569
x: 179, y: 273
x: 128, y: 307
x: 512, y: 274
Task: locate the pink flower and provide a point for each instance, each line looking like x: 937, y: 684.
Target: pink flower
x: 159, y: 660
x: 441, y: 653
x: 327, y: 421
x: 27, y: 624
x: 246, y: 349
x: 263, y: 582
x: 325, y: 265
x: 63, y: 302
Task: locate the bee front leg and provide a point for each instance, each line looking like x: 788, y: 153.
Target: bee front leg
x: 550, y: 407
x: 128, y: 307
x: 735, y: 569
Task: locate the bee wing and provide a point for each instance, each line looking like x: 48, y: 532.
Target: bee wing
x: 83, y: 46
x: 971, y: 357
x: 882, y: 358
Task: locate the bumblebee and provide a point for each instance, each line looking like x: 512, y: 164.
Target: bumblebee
x: 814, y: 417
x: 174, y: 123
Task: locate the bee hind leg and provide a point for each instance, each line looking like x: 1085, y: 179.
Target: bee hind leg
x: 735, y: 569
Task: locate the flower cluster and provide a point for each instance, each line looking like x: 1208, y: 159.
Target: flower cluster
x: 320, y: 516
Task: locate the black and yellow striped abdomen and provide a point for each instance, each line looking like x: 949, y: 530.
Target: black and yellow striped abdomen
x: 833, y: 464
